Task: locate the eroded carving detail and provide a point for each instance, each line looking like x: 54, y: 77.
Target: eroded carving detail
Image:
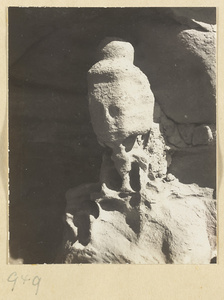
x: 116, y: 86
x: 137, y: 213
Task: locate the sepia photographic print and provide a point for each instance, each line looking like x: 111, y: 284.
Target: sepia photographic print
x: 112, y: 135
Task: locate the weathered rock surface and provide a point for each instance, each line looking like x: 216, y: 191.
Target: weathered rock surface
x: 121, y: 106
x: 175, y: 224
x: 181, y: 68
x: 183, y: 65
x: 52, y: 144
x: 137, y: 213
x: 121, y: 102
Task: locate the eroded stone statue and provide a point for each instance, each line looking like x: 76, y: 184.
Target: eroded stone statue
x: 137, y: 213
x: 121, y: 106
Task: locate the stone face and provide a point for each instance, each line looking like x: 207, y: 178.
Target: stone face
x: 137, y: 213
x: 52, y: 143
x: 121, y: 106
x: 115, y: 86
x: 179, y: 51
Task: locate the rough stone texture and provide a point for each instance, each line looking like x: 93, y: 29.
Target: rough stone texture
x: 121, y: 107
x: 175, y: 224
x: 181, y: 68
x: 138, y: 213
x: 52, y: 143
x: 115, y: 86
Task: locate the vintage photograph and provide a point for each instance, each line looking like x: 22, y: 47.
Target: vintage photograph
x: 112, y: 135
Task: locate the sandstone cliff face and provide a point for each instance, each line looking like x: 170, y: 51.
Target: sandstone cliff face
x: 52, y: 143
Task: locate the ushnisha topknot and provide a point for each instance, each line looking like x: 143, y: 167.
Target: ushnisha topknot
x: 112, y: 47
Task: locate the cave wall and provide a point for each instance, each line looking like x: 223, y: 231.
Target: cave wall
x: 51, y: 140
